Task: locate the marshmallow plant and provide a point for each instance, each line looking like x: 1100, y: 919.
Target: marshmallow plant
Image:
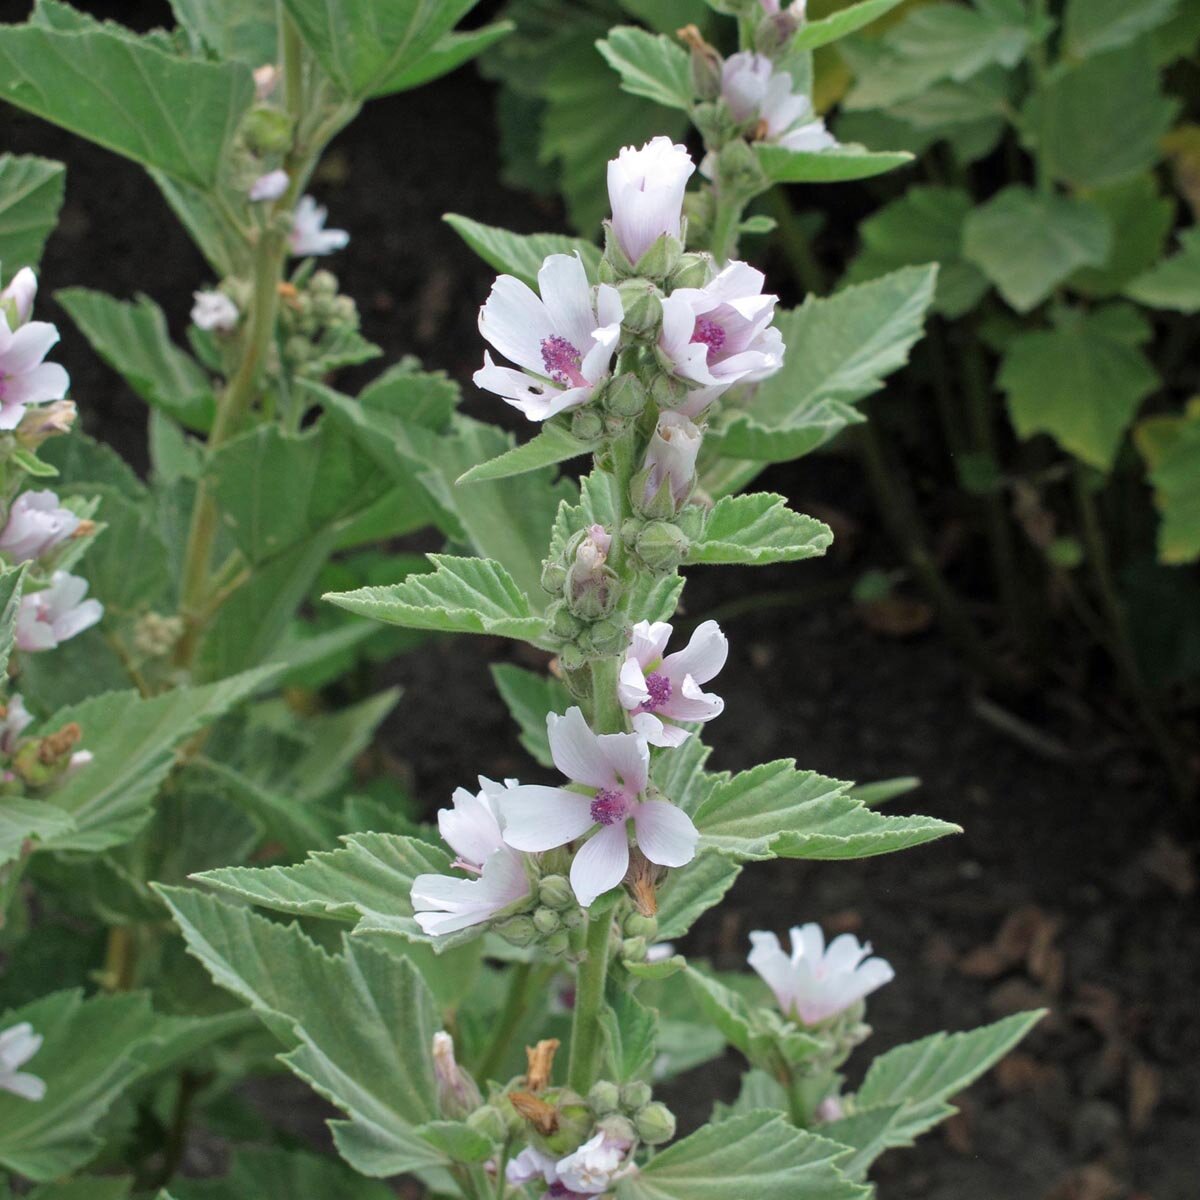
x: 509, y: 998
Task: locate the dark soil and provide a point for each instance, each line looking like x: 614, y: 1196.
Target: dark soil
x: 1068, y: 888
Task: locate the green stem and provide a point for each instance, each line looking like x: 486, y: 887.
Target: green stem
x: 723, y: 239
x: 508, y: 1020
x: 589, y: 1000
x: 797, y: 247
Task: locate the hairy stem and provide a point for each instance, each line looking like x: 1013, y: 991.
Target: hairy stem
x: 589, y: 1000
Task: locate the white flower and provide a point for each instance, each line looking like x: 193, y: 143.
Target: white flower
x: 529, y: 1165
x: 671, y: 456
x: 615, y: 767
x: 36, y: 524
x: 721, y: 334
x: 473, y: 830
x: 458, y: 1093
x: 214, y: 311
x: 266, y: 78
x: 590, y: 1170
x: 24, y: 377
x: 817, y: 982
x: 564, y: 340
x: 17, y: 1046
x: 309, y: 235
x: 652, y: 687
x: 56, y: 613
x: 16, y: 301
x: 271, y: 186
x: 754, y: 91
x: 645, y: 190
x: 13, y: 723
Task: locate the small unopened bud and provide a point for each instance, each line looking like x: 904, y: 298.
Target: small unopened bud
x: 635, y: 1096
x: 557, y: 943
x: 633, y: 949
x: 267, y: 130
x: 671, y: 461
x: 668, y: 391
x: 706, y: 63
x: 554, y: 891
x: 562, y: 623
x: 519, y: 930
x: 660, y: 259
x: 16, y: 301
x: 637, y: 925
x: 266, y: 79
x: 625, y: 396
x: 489, y: 1121
x: 738, y: 169
x: 155, y: 635
x: 573, y: 918
x: 695, y: 269
x: 546, y: 920
x: 655, y: 1123
x: 661, y: 546
x: 457, y: 1093
x: 604, y: 1098
x: 270, y: 186
x: 592, y: 589
x: 48, y: 421
x: 606, y: 636
x: 554, y: 576
x: 323, y: 283
x: 618, y: 1131
x: 587, y: 424
x: 642, y: 307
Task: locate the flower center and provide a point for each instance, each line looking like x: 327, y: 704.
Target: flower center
x: 710, y: 334
x: 659, y: 687
x: 609, y: 807
x: 562, y: 361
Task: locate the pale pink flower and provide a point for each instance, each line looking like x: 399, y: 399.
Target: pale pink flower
x: 589, y: 1171
x: 615, y: 767
x: 214, y: 312
x: 24, y: 377
x: 309, y: 235
x: 36, y: 524
x: 266, y: 79
x: 16, y: 301
x: 720, y: 334
x: 40, y: 423
x: 15, y: 721
x: 473, y: 829
x: 671, y: 456
x: 18, y: 1045
x: 753, y: 90
x: 458, y: 1093
x: 652, y: 686
x: 816, y: 981
x: 563, y: 340
x: 55, y: 614
x: 645, y: 189
x: 271, y: 186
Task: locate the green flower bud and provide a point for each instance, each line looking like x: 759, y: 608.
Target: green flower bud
x: 655, y: 1123
x: 573, y: 918
x: 625, y: 396
x: 642, y: 304
x: 554, y: 577
x: 323, y: 283
x: 572, y: 658
x: 604, y: 1098
x: 668, y: 391
x: 617, y: 1128
x: 635, y: 1096
x: 322, y: 308
x: 562, y: 623
x: 705, y: 63
x: 661, y: 546
x: 587, y: 424
x: 546, y: 920
x: 345, y: 311
x: 738, y: 169
x: 634, y: 949
x: 557, y: 943
x: 554, y: 891
x: 592, y: 596
x: 518, y: 931
x: 659, y: 505
x: 638, y: 926
x: 297, y: 350
x: 661, y: 259
x: 605, y: 637
x: 694, y: 271
x: 267, y: 130
x: 713, y: 122
x: 490, y: 1122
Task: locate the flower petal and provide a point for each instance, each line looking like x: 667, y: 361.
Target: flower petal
x: 567, y: 296
x: 47, y: 381
x: 576, y: 750
x: 665, y: 833
x: 539, y: 818
x: 600, y: 864
x: 29, y: 345
x: 659, y: 733
x: 516, y: 322
x: 629, y: 759
x: 702, y: 658
x: 631, y: 683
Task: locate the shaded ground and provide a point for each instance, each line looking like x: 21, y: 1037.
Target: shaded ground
x: 1067, y: 887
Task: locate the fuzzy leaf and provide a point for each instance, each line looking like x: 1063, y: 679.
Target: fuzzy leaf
x: 837, y: 25
x: 714, y: 1163
x: 521, y: 254
x: 246, y: 30
x: 552, y: 444
x: 174, y: 114
x: 31, y: 193
x: 650, y: 65
x: 692, y: 891
x: 12, y: 581
x: 773, y: 810
x: 22, y: 819
x: 449, y: 53
x: 1173, y: 283
x: 1170, y: 446
x: 838, y: 164
x: 267, y: 1173
x: 530, y: 697
x: 758, y: 528
x: 1027, y: 243
x: 463, y: 595
x: 1092, y: 26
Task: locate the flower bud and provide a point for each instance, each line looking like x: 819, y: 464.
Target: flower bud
x: 661, y: 259
x: 695, y: 269
x: 572, y: 658
x: 44, y: 422
x: 562, y: 623
x: 645, y: 189
x: 270, y: 186
x: 635, y: 1096
x: 604, y: 1098
x: 554, y: 577
x: 323, y: 283
x: 642, y: 308
x: 605, y: 637
x: 618, y: 1131
x: 655, y: 1123
x: 457, y: 1093
x: 517, y: 931
x: 489, y: 1121
x: 41, y: 761
x: 592, y: 590
x: 637, y: 925
x: 16, y: 301
x: 587, y: 424
x: 267, y: 130
x: 705, y: 63
x: 546, y: 921
x: 573, y: 918
x: 557, y: 943
x: 668, y: 391
x: 554, y: 891
x: 661, y: 546
x: 633, y: 949
x: 625, y: 396
x: 266, y: 79
x: 557, y: 1122
x: 671, y: 459
x: 738, y: 169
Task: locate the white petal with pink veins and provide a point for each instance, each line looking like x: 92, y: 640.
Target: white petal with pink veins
x: 704, y: 655
x: 665, y: 833
x: 567, y: 295
x: 600, y: 863
x: 629, y: 759
x: 576, y: 750
x: 538, y: 818
x: 516, y: 323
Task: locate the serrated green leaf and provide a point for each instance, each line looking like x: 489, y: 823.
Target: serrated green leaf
x: 1093, y: 26
x: 449, y: 53
x: 714, y: 1163
x: 175, y: 114
x: 758, y: 528
x: 133, y: 339
x: 22, y: 820
x: 358, y: 1025
x: 1140, y: 218
x: 630, y: 1031
x: 650, y: 65
x: 1173, y: 283
x: 521, y: 254
x: 837, y: 25
x: 838, y: 164
x: 1028, y: 242
x: 839, y: 350
x: 1079, y: 383
x: 246, y: 30
x: 1171, y: 448
x: 133, y: 742
x: 552, y: 444
x: 692, y: 891
x: 12, y: 581
x: 463, y: 595
x: 31, y: 193
x: 530, y: 696
x: 773, y: 810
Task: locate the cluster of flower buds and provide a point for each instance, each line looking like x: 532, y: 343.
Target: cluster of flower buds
x: 313, y: 318
x: 583, y: 617
x: 262, y: 141
x: 35, y: 765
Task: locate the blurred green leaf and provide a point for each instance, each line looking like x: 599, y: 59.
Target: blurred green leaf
x: 31, y: 194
